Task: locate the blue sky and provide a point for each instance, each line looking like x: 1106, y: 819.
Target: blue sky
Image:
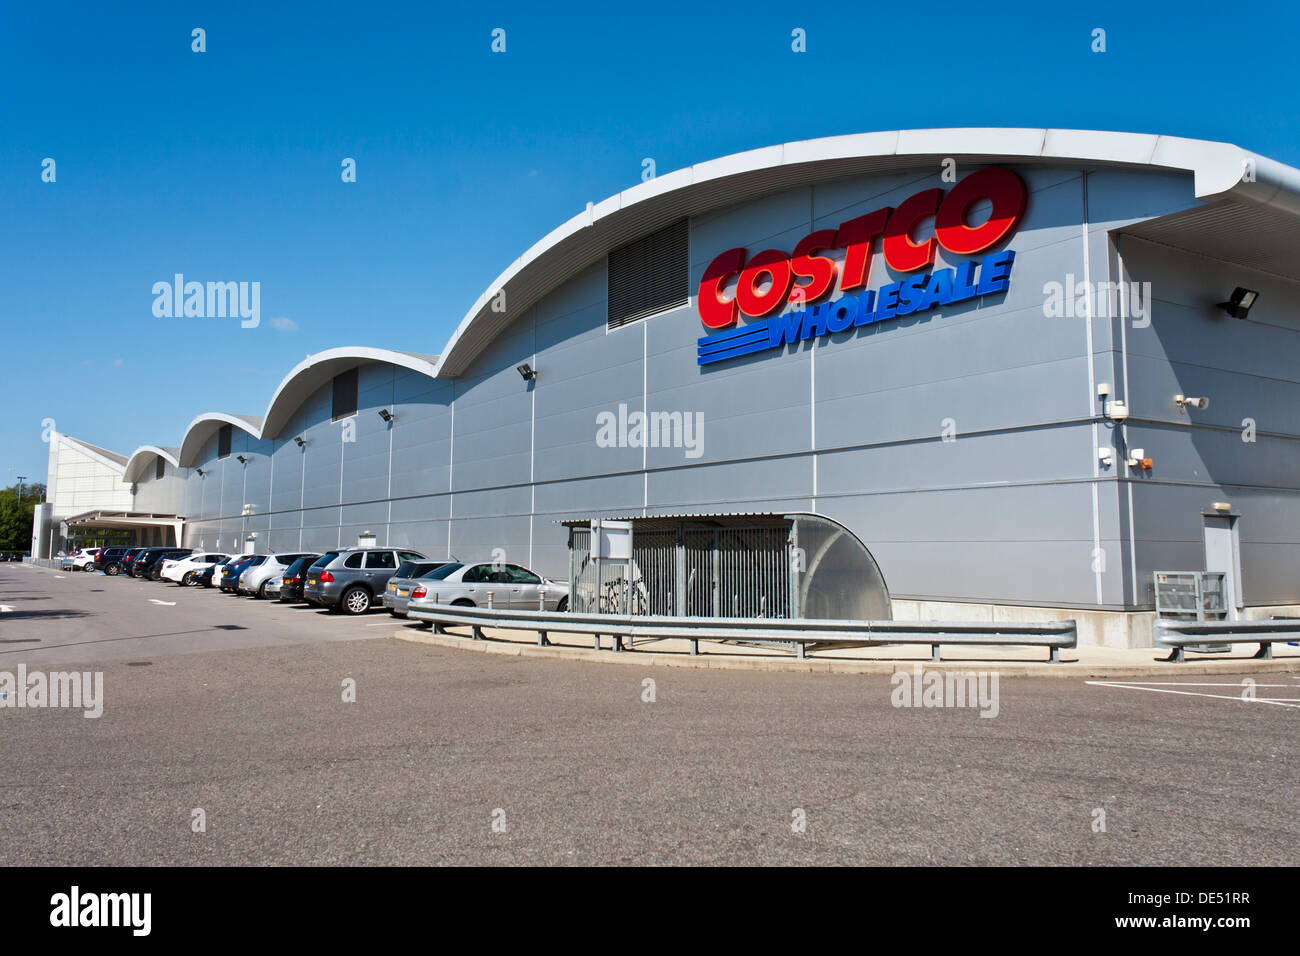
x: 225, y: 165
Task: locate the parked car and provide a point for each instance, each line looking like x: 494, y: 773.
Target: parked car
x: 294, y: 577
x: 254, y: 576
x: 109, y: 560
x: 398, y: 593
x: 146, y: 559
x: 141, y: 562
x: 154, y: 571
x: 352, y: 578
x: 232, y: 569
x: 183, y: 569
x: 83, y: 559
x: 511, y: 586
x: 205, y: 577
x: 271, y: 588
x: 124, y: 566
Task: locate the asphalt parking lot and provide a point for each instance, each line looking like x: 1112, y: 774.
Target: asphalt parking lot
x: 454, y: 757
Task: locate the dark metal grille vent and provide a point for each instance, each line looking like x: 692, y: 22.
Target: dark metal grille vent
x: 650, y: 275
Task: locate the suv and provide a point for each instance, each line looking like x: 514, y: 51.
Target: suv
x: 253, y: 580
x: 128, y: 559
x: 350, y: 579
x: 143, y: 566
x: 109, y: 560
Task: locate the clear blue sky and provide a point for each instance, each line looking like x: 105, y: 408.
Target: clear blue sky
x: 225, y: 165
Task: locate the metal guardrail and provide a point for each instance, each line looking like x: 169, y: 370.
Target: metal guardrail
x: 797, y: 634
x: 1178, y: 635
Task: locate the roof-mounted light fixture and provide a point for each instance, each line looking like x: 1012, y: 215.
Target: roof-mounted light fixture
x: 526, y: 371
x: 386, y: 415
x: 242, y: 460
x: 298, y: 439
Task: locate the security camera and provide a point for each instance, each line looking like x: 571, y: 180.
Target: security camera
x: 1182, y: 401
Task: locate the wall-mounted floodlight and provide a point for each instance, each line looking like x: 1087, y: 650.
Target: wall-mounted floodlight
x: 1222, y: 506
x: 200, y: 472
x: 298, y: 439
x: 526, y: 371
x: 241, y: 459
x: 1106, y: 456
x: 1239, y: 303
x: 1182, y: 401
x: 386, y: 415
x: 1117, y: 411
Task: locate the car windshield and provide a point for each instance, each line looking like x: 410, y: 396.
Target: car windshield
x: 325, y: 559
x: 443, y: 572
x: 414, y: 569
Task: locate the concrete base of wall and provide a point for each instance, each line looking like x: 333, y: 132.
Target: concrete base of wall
x: 1120, y: 629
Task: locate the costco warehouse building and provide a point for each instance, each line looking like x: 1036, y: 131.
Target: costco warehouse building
x: 895, y: 331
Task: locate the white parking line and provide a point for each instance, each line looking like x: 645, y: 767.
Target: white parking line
x: 1188, y: 693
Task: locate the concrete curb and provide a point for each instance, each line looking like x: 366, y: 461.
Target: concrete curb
x: 1068, y: 669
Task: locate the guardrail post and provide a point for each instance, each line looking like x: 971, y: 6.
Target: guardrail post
x: 934, y: 654
x: 1055, y: 656
x: 596, y: 642
x: 1265, y: 652
x: 541, y: 639
x: 618, y: 641
x: 695, y: 646
x: 1176, y: 656
x: 799, y: 650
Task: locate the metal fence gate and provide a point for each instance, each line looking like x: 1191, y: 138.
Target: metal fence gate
x: 687, y: 572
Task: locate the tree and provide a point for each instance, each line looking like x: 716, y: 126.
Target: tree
x: 16, y: 516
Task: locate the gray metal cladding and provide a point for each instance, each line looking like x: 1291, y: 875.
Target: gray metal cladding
x: 959, y: 444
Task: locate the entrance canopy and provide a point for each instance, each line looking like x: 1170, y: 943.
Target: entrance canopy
x: 169, y: 527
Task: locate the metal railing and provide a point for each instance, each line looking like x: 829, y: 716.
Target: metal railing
x: 800, y: 636
x: 1179, y: 635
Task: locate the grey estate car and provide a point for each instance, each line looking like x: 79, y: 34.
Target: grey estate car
x: 352, y: 579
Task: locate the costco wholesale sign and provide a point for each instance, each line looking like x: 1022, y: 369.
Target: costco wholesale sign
x: 770, y: 280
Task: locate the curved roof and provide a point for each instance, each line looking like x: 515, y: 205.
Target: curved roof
x: 137, y: 465
x: 1222, y: 173
x: 205, y: 426
x: 1218, y: 169
x: 315, y: 370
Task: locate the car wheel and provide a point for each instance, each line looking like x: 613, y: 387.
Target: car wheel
x: 261, y: 592
x: 463, y: 602
x: 111, y: 570
x: 188, y: 579
x: 355, y: 600
x: 562, y: 605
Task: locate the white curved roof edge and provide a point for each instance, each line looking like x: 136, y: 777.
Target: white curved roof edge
x: 190, y: 445
x: 428, y: 364
x: 141, y: 456
x: 264, y: 426
x: 1218, y: 169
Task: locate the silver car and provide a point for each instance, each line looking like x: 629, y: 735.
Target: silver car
x: 271, y: 589
x: 255, y: 578
x: 510, y: 586
x: 406, y: 579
